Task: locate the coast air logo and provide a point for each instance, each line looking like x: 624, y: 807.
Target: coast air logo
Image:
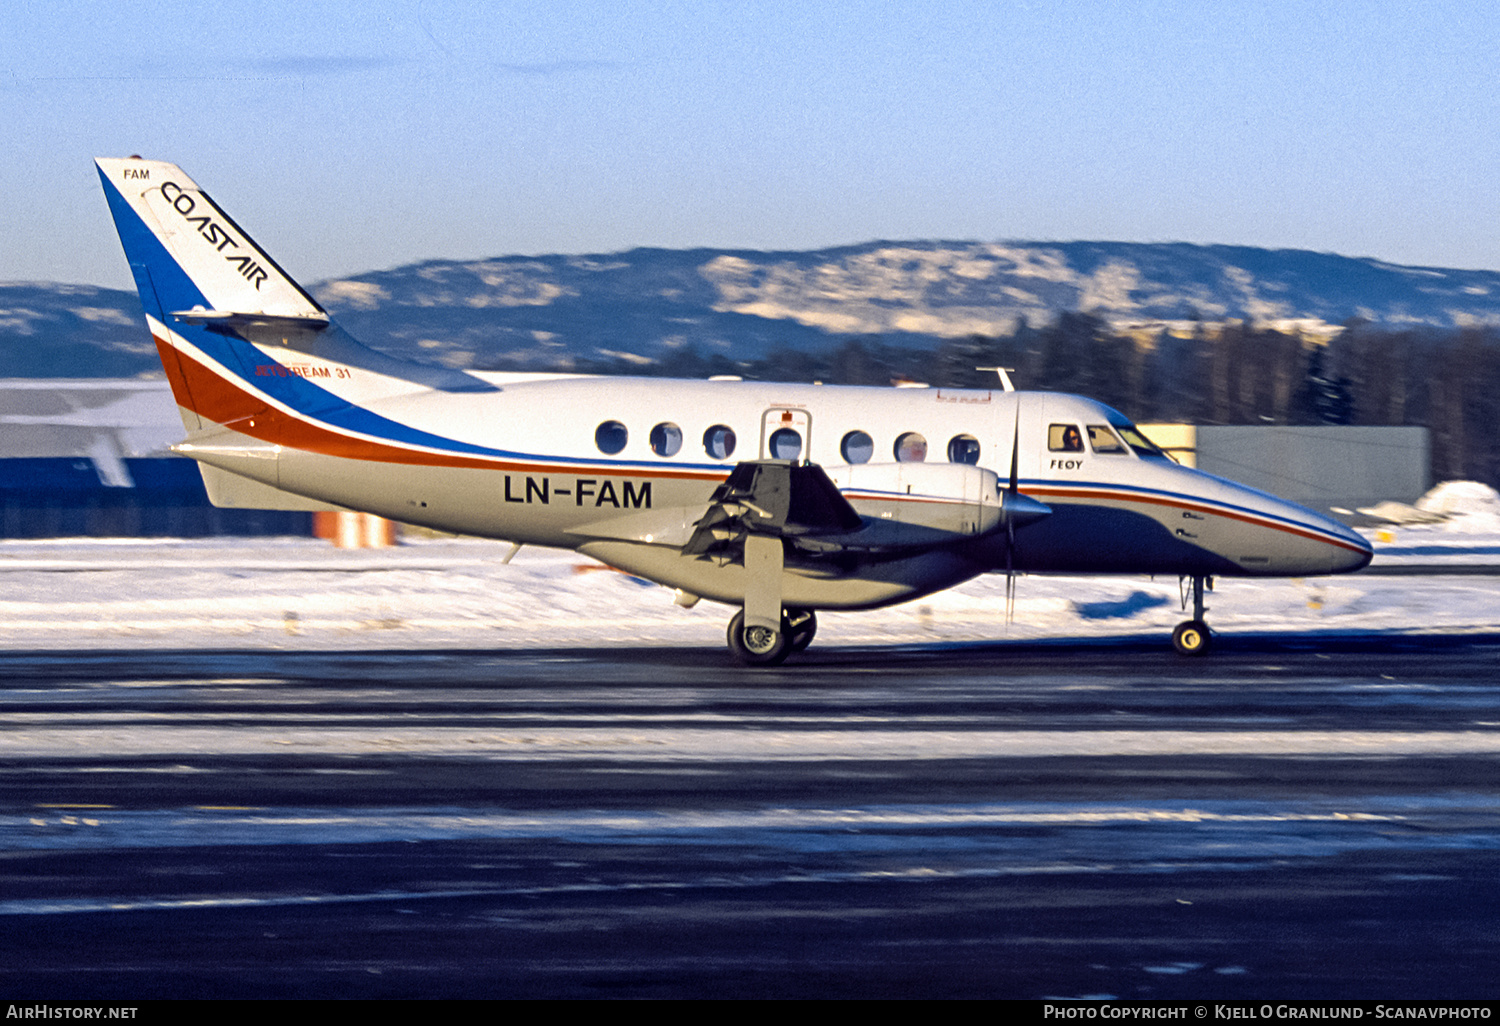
x: 209, y: 227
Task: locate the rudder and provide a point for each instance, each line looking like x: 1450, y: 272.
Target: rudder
x: 188, y: 255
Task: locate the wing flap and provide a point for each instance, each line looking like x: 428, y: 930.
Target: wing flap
x: 780, y: 498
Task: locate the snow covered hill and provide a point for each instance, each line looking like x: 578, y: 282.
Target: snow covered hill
x: 641, y: 306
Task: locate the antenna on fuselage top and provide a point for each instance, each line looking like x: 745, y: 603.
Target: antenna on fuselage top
x: 1004, y: 376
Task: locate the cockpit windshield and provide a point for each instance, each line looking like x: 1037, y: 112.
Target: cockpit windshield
x: 1142, y: 445
x: 1103, y: 440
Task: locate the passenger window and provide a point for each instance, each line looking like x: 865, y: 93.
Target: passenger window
x: 718, y: 442
x: 911, y: 448
x: 1103, y: 440
x: 786, y: 444
x: 857, y: 447
x: 1064, y: 438
x: 666, y: 439
x: 964, y: 449
x: 610, y: 437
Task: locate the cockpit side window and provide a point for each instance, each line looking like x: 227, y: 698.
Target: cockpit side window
x: 1103, y: 440
x: 1064, y: 438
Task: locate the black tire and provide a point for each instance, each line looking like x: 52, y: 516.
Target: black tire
x: 1191, y: 638
x: 800, y: 626
x: 757, y: 646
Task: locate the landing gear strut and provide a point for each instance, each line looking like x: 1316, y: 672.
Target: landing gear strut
x: 1191, y: 638
x: 759, y: 634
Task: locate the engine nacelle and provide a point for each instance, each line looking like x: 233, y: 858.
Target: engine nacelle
x: 926, y: 500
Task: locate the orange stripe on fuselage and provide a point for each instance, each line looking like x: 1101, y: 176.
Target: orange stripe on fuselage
x: 208, y: 394
x: 1083, y: 493
x: 175, y: 377
x: 214, y: 397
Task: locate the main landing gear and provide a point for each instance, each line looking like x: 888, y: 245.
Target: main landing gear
x: 764, y: 632
x: 1191, y: 637
x: 762, y: 646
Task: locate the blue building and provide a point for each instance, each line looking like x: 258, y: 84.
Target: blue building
x: 89, y: 456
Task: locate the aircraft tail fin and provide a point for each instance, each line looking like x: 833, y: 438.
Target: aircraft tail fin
x: 190, y: 260
x: 236, y: 335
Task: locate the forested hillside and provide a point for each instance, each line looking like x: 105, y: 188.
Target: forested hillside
x: 1447, y: 380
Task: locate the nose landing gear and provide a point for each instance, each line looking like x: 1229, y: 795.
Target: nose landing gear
x: 1191, y: 638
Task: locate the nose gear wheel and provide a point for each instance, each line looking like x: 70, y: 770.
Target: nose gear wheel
x: 1191, y: 638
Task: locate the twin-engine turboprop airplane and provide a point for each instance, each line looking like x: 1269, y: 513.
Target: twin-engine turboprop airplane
x: 775, y: 498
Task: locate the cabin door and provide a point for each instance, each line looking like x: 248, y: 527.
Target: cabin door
x: 786, y: 434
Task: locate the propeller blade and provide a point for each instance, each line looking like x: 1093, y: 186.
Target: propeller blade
x: 1015, y: 453
x: 1010, y: 574
x: 1011, y: 494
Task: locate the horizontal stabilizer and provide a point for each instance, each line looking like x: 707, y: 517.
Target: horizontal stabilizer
x: 233, y: 319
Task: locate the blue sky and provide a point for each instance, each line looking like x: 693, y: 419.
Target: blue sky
x: 349, y: 137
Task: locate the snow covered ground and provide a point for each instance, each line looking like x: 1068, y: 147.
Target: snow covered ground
x: 296, y: 593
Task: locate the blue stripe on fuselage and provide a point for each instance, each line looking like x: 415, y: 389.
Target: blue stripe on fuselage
x: 164, y: 286
x: 1201, y: 500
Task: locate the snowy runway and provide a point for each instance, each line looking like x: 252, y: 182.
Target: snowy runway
x: 1020, y: 820
x: 289, y: 593
x: 269, y: 767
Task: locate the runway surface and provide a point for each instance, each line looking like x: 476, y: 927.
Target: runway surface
x: 1312, y: 817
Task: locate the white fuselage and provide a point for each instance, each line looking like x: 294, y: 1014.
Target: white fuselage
x: 540, y: 474
x: 779, y: 498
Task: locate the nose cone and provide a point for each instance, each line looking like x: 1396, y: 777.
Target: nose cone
x: 1357, y: 553
x: 1264, y: 535
x: 1321, y: 545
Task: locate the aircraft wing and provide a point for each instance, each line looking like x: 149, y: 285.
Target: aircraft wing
x: 772, y: 497
x: 871, y: 510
